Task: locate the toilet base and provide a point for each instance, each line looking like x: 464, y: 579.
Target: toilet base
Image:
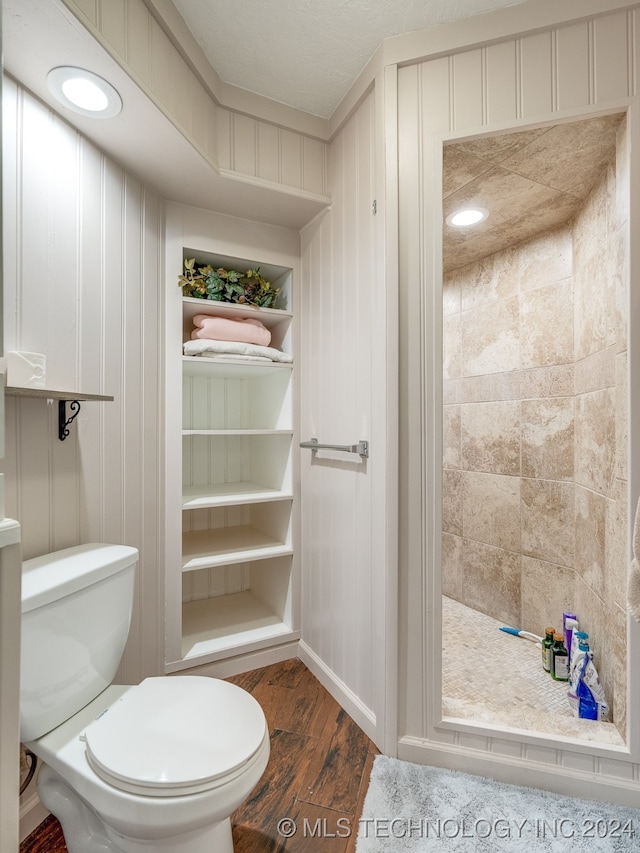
x: 84, y: 832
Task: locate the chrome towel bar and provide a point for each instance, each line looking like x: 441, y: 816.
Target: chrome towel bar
x: 361, y: 448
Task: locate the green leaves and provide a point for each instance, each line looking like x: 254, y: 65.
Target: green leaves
x: 221, y: 285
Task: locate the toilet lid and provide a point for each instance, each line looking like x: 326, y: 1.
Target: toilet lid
x: 172, y: 736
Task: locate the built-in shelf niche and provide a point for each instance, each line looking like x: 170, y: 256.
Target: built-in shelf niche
x: 235, y: 397
x: 215, y: 461
x: 231, y: 606
x: 235, y: 534
x: 276, y: 319
x: 235, y: 553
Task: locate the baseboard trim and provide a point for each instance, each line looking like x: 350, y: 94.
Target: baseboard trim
x: 344, y: 696
x: 242, y: 663
x: 32, y: 813
x: 524, y: 772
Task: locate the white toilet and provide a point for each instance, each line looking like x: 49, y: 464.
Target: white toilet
x: 158, y: 767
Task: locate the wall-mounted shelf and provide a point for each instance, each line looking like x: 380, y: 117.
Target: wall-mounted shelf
x: 63, y: 397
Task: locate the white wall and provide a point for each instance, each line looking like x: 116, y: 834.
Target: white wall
x: 82, y: 284
x: 151, y: 42
x: 343, y: 400
x: 83, y: 243
x: 561, y: 73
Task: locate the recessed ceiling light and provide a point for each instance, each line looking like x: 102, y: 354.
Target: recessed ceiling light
x: 84, y: 92
x: 467, y: 216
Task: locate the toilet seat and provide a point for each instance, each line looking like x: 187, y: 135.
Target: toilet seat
x: 174, y: 736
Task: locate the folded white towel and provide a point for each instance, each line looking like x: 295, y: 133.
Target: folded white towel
x: 226, y: 356
x: 211, y: 348
x: 633, y: 585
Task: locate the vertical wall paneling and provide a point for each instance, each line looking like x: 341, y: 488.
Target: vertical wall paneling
x: 112, y: 18
x: 536, y: 74
x: 211, y: 131
x: 244, y: 145
x: 313, y: 165
x: 84, y: 246
x: 223, y: 138
x: 268, y: 154
x: 342, y: 397
x: 88, y: 10
x: 503, y: 81
x: 114, y: 319
x: 182, y: 93
x: 573, y: 66
x: 138, y: 49
x: 91, y: 333
x: 161, y: 51
x: 198, y: 118
x: 429, y: 391
x: 611, y: 64
x: 386, y: 493
x: 436, y: 82
x: 291, y: 158
x: 579, y: 68
x: 362, y: 384
x: 136, y: 40
x: 416, y: 88
x: 11, y: 159
x: 10, y: 556
x: 132, y: 390
x: 469, y: 78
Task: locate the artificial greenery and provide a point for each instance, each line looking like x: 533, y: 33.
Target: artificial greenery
x: 220, y: 285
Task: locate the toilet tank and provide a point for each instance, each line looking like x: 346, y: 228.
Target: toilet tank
x: 76, y: 612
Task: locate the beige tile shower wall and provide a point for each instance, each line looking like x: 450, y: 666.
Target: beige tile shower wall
x: 600, y: 282
x: 508, y: 432
x: 236, y: 143
x: 535, y: 480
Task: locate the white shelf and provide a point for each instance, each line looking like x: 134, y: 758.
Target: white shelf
x: 198, y: 365
x: 204, y: 549
x: 192, y: 306
x: 230, y: 494
x: 237, y: 432
x: 215, y: 624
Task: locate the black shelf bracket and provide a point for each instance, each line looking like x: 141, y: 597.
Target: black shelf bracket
x: 63, y: 421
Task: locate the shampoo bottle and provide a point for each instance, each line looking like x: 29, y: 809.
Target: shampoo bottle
x: 547, y: 646
x: 559, y: 659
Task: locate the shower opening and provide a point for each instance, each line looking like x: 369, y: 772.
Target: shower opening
x: 535, y: 379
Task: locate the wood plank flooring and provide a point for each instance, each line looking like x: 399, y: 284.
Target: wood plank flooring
x: 317, y: 776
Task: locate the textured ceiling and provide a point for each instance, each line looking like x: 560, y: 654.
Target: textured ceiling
x: 307, y: 53
x: 528, y: 181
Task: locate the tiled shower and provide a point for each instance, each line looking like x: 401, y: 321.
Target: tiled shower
x: 535, y: 436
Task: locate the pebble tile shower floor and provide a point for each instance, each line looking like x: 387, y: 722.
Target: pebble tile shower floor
x: 489, y: 676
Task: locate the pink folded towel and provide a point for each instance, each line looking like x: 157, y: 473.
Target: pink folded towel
x: 246, y: 330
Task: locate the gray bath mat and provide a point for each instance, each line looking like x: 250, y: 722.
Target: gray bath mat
x: 411, y: 807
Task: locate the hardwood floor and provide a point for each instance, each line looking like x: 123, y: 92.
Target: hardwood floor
x: 316, y: 780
